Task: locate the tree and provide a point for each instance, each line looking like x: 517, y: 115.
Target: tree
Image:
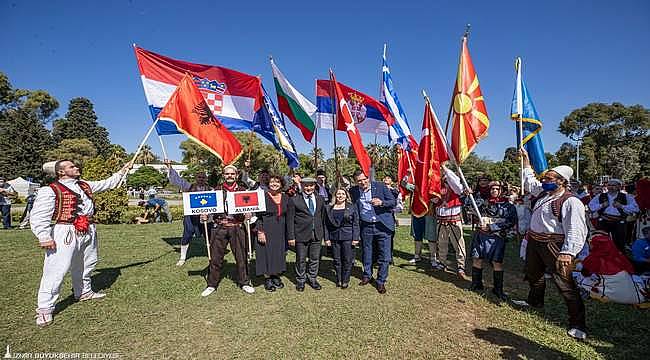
x: 614, y: 139
x: 146, y: 176
x: 146, y: 156
x: 111, y: 205
x: 24, y: 139
x: 76, y: 150
x: 81, y: 122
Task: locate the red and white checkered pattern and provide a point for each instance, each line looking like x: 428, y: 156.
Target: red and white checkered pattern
x: 214, y: 101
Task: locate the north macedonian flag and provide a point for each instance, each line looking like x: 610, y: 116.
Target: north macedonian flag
x: 190, y: 113
x: 470, y: 123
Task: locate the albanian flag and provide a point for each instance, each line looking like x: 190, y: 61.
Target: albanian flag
x: 471, y: 121
x: 187, y: 109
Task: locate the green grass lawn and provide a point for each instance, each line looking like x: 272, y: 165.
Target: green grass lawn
x: 153, y: 310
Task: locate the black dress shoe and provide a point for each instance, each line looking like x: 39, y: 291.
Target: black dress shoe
x: 364, y: 281
x: 381, y: 289
x: 277, y: 282
x: 268, y: 285
x: 315, y: 285
x: 300, y: 287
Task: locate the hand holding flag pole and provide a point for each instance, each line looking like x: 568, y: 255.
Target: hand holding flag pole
x: 452, y: 158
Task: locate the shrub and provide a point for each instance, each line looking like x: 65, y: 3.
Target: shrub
x: 110, y: 205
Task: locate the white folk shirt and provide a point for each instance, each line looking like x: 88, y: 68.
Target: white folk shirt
x: 573, y: 225
x: 41, y: 215
x: 454, y: 185
x: 630, y: 208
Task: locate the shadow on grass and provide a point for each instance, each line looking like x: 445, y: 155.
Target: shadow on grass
x: 103, y: 279
x: 514, y: 346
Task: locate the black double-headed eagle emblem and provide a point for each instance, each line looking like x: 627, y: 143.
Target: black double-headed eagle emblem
x: 205, y: 114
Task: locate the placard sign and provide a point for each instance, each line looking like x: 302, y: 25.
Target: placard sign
x: 203, y: 202
x: 240, y: 202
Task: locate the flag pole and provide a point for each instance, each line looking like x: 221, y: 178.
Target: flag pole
x: 316, y: 124
x: 162, y: 145
x: 520, y: 120
x: 453, y: 94
x: 337, y: 174
x: 137, y: 152
x: 452, y: 158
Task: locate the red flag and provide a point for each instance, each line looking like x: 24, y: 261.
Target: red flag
x: 190, y: 113
x: 247, y: 198
x: 471, y: 121
x: 432, y: 153
x: 345, y: 117
x: 406, y: 166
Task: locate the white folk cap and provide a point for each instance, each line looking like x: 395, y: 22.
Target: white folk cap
x: 565, y: 171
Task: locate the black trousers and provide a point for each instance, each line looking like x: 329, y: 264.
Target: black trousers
x: 220, y: 238
x: 309, y: 249
x: 541, y: 256
x: 618, y: 230
x: 343, y: 259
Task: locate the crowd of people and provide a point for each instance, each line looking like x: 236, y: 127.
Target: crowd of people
x: 552, y: 218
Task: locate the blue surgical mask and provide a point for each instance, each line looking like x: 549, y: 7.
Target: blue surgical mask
x: 549, y: 186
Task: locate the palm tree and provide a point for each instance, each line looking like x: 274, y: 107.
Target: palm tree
x: 146, y: 156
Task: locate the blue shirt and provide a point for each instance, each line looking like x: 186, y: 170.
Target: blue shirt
x: 367, y: 210
x: 156, y: 201
x: 641, y: 250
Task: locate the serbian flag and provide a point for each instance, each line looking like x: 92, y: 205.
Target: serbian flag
x: 369, y: 115
x: 345, y: 123
x: 471, y: 121
x: 233, y: 97
x: 189, y: 113
x: 432, y: 153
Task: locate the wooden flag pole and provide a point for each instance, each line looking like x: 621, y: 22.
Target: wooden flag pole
x: 452, y: 158
x: 207, y: 239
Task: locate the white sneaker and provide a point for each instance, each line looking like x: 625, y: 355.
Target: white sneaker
x: 91, y: 296
x: 440, y: 266
x: 415, y: 259
x: 522, y: 303
x: 248, y: 289
x: 577, y: 334
x: 209, y: 290
x: 43, y: 319
x: 180, y: 262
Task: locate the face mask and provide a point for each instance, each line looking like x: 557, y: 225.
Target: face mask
x: 549, y: 186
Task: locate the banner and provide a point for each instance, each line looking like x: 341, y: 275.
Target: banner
x: 240, y: 202
x: 203, y: 202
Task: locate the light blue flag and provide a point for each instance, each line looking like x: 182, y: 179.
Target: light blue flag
x: 524, y: 109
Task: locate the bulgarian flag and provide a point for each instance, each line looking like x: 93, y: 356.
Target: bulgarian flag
x: 293, y: 104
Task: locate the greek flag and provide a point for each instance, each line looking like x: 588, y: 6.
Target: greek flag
x: 399, y: 131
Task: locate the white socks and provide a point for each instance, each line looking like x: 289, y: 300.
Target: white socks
x: 432, y: 250
x: 184, y: 251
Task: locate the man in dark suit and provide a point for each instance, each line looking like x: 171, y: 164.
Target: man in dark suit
x: 306, y: 231
x: 375, y: 203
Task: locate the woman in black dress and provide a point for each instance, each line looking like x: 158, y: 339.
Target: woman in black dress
x: 270, y: 256
x: 342, y: 221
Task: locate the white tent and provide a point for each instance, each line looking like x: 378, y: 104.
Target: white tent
x: 24, y: 187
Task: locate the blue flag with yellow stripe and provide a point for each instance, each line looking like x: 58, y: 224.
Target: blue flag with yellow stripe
x: 523, y: 109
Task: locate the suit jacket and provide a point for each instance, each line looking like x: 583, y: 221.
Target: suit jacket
x: 345, y: 230
x: 384, y: 212
x: 301, y: 225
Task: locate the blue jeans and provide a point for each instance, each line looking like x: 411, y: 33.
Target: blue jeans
x: 376, y: 234
x: 6, y: 216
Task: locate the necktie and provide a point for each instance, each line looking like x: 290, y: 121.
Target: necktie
x: 312, y: 208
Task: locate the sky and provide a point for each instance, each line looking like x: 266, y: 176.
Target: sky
x: 574, y: 53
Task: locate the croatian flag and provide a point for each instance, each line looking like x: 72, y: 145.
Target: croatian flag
x: 399, y: 131
x: 234, y: 97
x: 370, y: 116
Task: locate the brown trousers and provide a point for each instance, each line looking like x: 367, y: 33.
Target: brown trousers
x: 220, y: 238
x: 541, y: 256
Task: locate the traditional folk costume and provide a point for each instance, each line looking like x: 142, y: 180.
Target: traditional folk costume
x: 557, y: 226
x: 614, y: 220
x: 191, y: 224
x: 69, y: 204
x: 500, y: 216
x: 228, y: 229
x: 449, y: 222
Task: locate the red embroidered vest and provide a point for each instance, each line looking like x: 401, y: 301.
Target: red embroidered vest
x: 67, y: 203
